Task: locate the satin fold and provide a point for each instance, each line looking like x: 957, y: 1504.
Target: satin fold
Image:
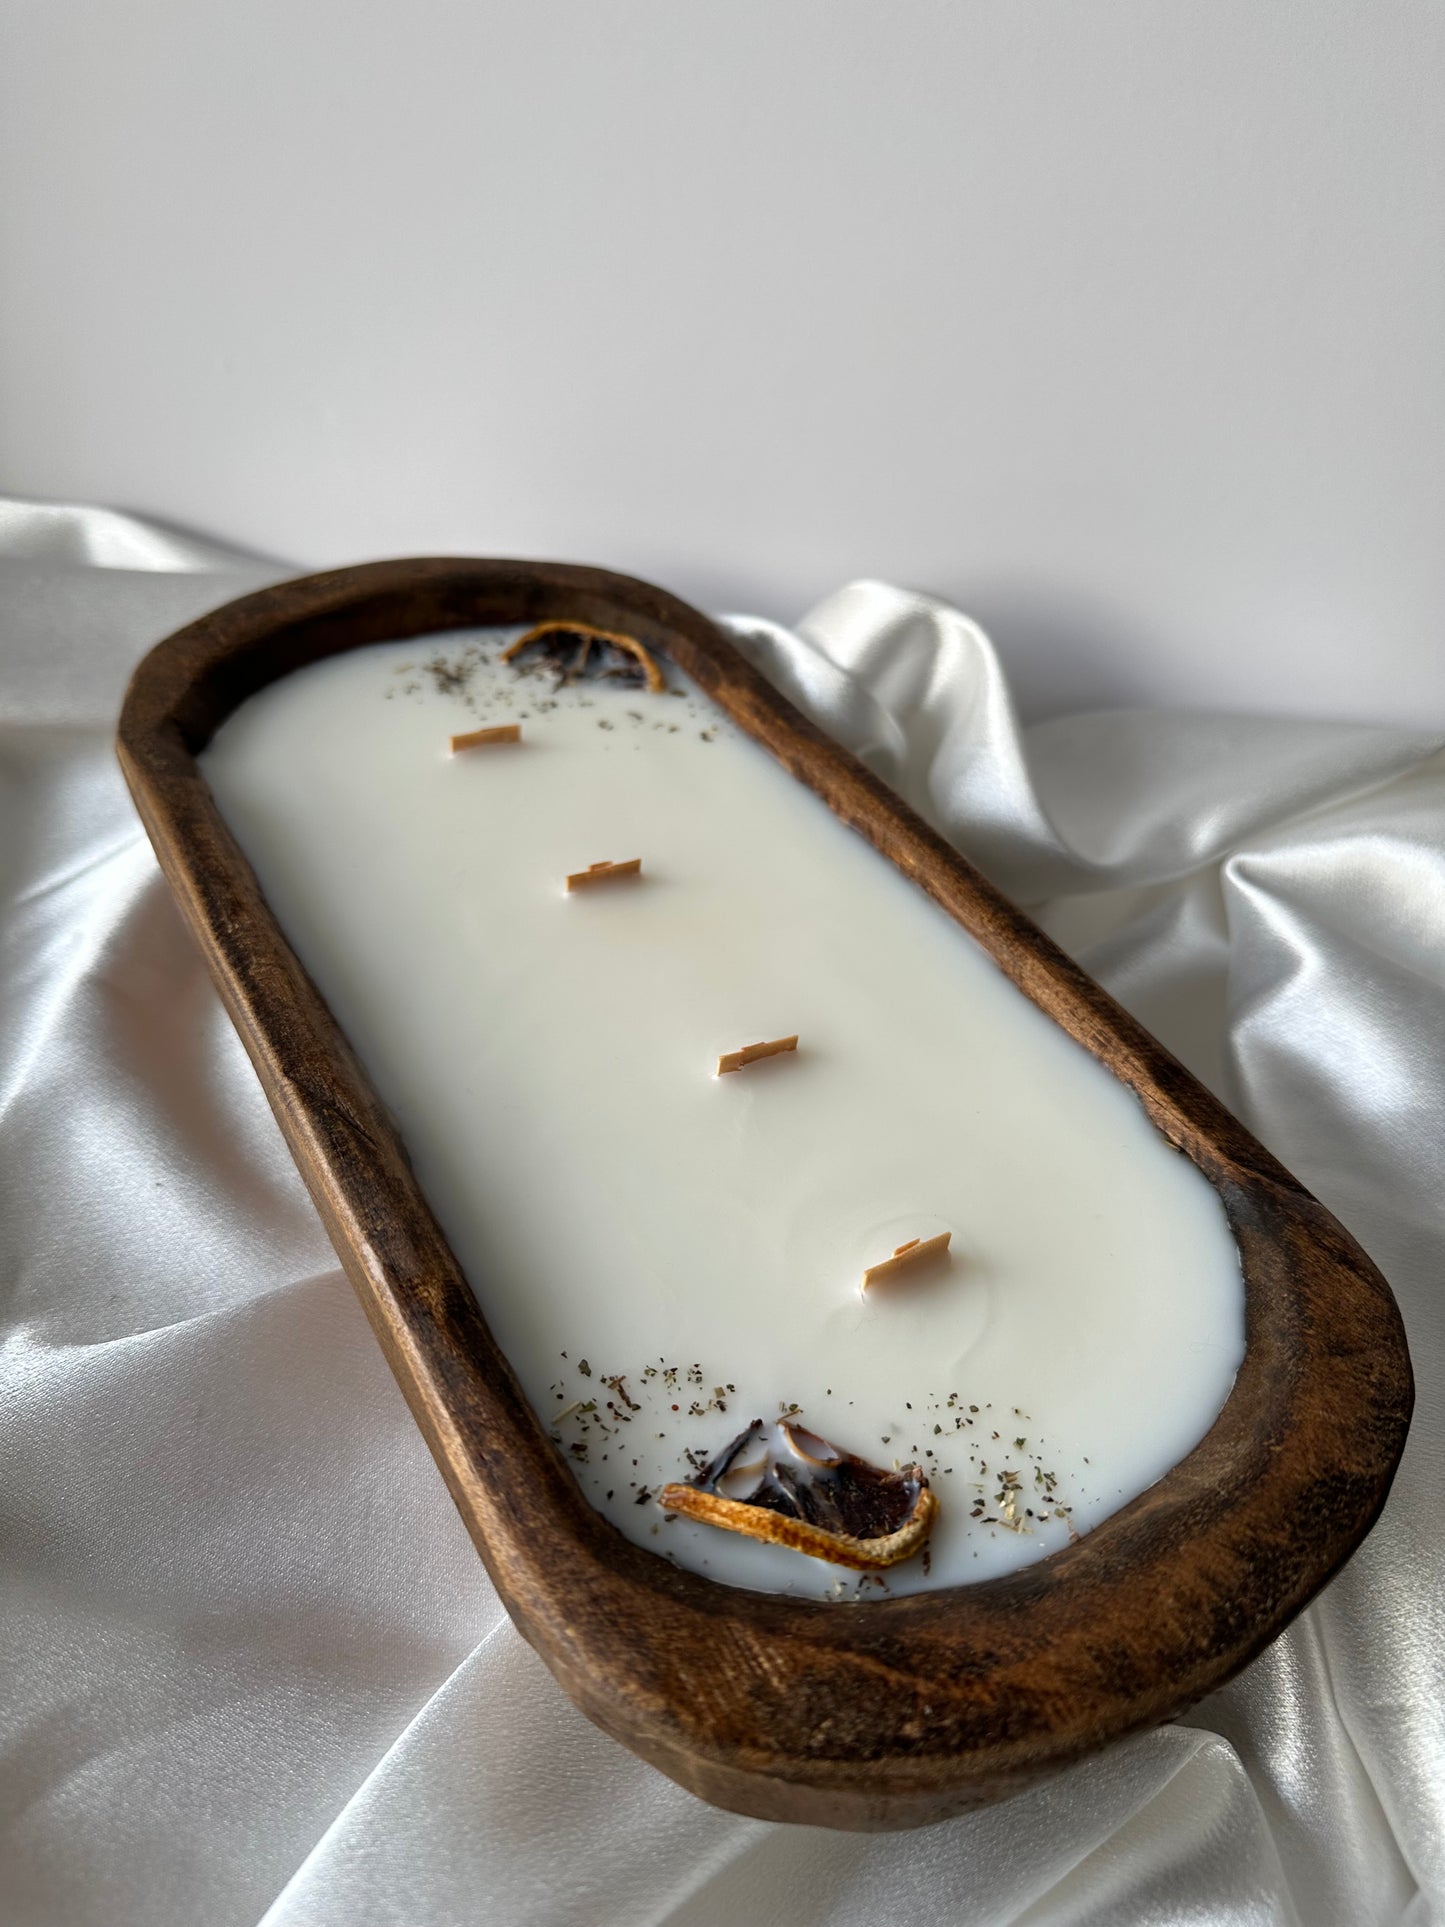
x: 255, y: 1672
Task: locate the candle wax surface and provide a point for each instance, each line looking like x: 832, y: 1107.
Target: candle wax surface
x: 665, y: 1254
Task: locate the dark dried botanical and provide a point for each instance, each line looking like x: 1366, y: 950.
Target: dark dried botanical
x: 567, y: 647
x: 784, y: 1484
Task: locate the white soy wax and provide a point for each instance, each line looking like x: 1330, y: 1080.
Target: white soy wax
x: 665, y: 1254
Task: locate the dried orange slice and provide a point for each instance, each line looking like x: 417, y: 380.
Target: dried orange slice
x: 783, y: 1484
x: 567, y: 648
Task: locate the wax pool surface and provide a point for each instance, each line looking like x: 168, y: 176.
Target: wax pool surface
x: 665, y: 1254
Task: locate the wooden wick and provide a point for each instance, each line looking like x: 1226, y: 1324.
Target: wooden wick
x: 604, y: 873
x: 476, y: 738
x: 734, y: 1060
x: 916, y: 1251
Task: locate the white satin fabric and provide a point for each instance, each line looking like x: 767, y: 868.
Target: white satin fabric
x: 253, y: 1670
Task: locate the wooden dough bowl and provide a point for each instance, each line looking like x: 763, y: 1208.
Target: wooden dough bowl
x: 905, y: 1710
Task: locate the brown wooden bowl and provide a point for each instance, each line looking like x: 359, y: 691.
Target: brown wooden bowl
x: 905, y: 1710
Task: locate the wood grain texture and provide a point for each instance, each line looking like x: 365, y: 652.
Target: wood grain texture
x: 902, y: 1711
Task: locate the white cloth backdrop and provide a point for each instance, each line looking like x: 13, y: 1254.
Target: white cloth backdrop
x: 252, y: 1669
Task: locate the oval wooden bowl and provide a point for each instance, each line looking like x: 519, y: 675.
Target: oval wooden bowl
x: 905, y: 1710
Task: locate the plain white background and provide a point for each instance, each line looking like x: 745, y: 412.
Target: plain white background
x: 1121, y: 324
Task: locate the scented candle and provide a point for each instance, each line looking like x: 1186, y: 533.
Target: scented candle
x: 666, y: 1249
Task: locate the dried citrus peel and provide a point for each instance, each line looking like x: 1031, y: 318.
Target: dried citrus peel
x: 588, y: 634
x: 788, y: 1487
